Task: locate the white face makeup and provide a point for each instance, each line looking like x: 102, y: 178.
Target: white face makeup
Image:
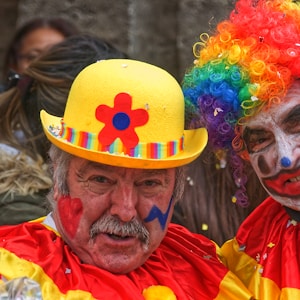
x: 272, y: 139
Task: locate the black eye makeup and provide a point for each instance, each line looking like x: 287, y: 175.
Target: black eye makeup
x: 292, y: 121
x: 257, y: 139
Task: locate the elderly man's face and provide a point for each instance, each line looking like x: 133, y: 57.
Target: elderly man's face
x: 114, y: 217
x: 273, y: 141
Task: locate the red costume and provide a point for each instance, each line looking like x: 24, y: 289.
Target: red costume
x: 185, y: 262
x: 264, y: 254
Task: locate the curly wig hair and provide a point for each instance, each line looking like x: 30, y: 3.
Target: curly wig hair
x: 245, y: 67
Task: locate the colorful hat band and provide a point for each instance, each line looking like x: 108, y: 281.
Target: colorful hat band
x: 142, y: 150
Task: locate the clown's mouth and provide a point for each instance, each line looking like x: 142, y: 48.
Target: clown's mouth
x: 295, y: 179
x: 285, y: 184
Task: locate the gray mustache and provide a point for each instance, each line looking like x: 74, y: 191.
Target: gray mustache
x: 112, y: 225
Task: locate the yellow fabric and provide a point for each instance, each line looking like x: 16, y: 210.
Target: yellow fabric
x: 33, y: 271
x: 158, y: 292
x: 244, y: 266
x: 249, y: 271
x: 227, y: 291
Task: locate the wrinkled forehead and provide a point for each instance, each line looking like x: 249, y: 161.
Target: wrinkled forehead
x: 84, y: 166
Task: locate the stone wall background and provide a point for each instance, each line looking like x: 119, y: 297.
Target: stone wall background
x: 161, y: 32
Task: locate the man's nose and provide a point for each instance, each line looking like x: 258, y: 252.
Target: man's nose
x: 123, y: 203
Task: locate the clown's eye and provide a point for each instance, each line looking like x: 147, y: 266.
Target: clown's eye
x: 293, y: 125
x: 258, y: 140
x: 292, y: 121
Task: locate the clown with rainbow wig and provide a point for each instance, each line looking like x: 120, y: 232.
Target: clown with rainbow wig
x: 244, y: 88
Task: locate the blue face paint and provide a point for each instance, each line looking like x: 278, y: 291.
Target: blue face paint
x: 285, y: 162
x: 155, y: 212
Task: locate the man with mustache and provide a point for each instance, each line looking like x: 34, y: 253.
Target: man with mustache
x: 118, y: 159
x: 245, y: 87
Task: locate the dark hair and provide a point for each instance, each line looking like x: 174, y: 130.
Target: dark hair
x: 66, y: 28
x: 45, y: 84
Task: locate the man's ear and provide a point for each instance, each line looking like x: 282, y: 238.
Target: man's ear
x: 55, y: 188
x: 55, y: 192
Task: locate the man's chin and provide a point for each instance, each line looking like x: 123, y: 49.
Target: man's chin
x: 119, y: 268
x: 121, y: 263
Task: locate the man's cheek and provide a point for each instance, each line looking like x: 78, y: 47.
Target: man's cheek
x: 70, y: 212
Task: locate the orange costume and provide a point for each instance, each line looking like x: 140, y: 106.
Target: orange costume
x: 186, y: 263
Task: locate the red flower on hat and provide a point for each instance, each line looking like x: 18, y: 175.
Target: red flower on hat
x: 120, y: 121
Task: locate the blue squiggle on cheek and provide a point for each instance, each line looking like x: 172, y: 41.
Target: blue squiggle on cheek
x: 155, y: 212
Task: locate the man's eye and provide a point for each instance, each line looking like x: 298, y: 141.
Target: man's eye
x: 149, y: 187
x: 99, y: 179
x: 148, y: 183
x: 99, y: 184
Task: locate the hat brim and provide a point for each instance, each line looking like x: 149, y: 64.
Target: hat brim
x: 194, y: 142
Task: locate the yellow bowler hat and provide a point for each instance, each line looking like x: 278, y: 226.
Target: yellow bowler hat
x: 125, y: 113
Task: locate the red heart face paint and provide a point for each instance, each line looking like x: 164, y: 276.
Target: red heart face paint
x: 70, y: 211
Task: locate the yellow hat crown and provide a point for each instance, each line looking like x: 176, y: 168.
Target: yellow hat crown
x: 123, y: 112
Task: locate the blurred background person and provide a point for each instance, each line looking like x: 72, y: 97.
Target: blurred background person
x: 32, y: 39
x: 24, y: 177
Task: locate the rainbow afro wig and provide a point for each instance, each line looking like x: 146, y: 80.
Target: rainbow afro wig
x: 248, y: 65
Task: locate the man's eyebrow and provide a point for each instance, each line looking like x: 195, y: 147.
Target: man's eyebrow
x: 94, y: 165
x: 97, y: 165
x: 153, y: 171
x: 148, y: 173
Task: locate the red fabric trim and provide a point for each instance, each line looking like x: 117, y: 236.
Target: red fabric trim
x: 185, y: 262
